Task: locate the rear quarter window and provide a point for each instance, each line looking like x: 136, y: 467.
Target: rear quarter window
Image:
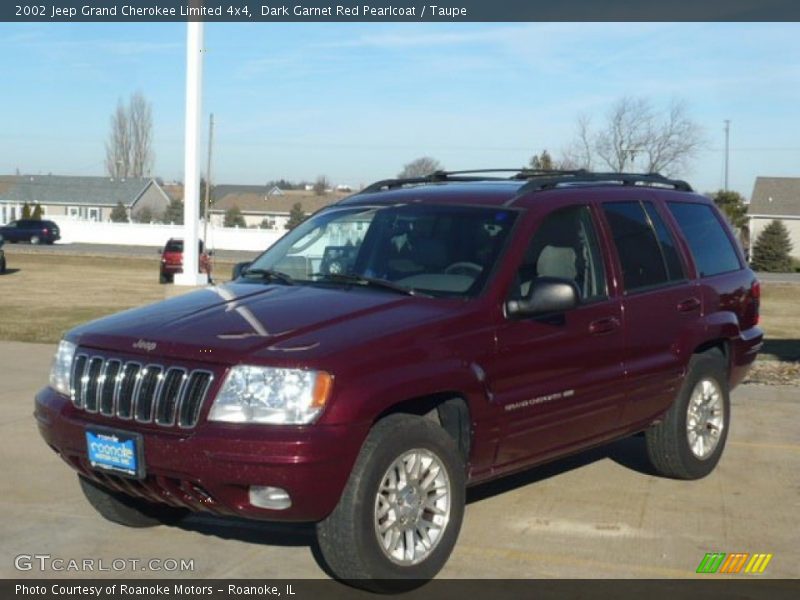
x: 711, y: 248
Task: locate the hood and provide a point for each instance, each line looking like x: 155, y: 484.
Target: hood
x: 228, y: 323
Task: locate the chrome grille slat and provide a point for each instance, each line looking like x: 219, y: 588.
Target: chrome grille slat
x: 193, y: 397
x: 91, y: 384
x: 167, y: 400
x: 161, y: 394
x: 127, y: 389
x: 78, y: 368
x: 149, y: 384
x: 107, y: 397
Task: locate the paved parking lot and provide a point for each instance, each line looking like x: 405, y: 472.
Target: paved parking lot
x: 599, y: 514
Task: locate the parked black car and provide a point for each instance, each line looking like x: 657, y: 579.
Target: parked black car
x: 34, y: 231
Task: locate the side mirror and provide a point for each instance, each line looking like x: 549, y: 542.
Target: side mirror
x: 239, y: 268
x: 548, y: 295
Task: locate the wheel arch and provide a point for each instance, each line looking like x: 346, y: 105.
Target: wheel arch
x: 449, y: 409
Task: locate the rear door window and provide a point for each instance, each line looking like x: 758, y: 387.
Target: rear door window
x: 712, y: 249
x: 644, y: 245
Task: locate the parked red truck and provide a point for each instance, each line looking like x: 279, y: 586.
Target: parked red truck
x: 416, y: 338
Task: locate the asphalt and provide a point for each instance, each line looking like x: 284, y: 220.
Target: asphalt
x: 600, y: 514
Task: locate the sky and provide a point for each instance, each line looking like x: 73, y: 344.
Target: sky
x: 355, y: 102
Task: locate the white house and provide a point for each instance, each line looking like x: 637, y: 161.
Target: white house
x: 776, y: 198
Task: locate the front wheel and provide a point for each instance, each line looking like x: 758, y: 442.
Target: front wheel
x: 401, y: 510
x: 129, y: 511
x: 689, y: 442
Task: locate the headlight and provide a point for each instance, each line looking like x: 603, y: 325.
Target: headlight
x: 267, y: 395
x: 61, y: 369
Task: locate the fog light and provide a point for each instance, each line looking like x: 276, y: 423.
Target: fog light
x: 265, y: 496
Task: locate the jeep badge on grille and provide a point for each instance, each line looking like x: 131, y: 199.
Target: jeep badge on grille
x: 144, y: 345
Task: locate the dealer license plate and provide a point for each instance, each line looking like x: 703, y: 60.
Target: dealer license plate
x: 116, y: 451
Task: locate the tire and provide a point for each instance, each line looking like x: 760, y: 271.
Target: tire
x: 673, y: 446
x: 2, y: 265
x: 164, y: 278
x: 35, y: 239
x: 129, y: 511
x: 349, y: 538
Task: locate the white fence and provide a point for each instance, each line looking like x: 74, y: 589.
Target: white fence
x: 141, y: 234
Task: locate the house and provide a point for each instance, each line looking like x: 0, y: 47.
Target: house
x: 260, y: 203
x: 776, y: 198
x: 85, y: 198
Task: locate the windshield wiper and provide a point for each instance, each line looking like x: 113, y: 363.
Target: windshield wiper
x: 271, y: 274
x: 367, y: 281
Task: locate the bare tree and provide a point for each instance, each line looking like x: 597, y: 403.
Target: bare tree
x: 118, y: 146
x: 673, y: 141
x: 321, y: 185
x: 141, y: 129
x: 420, y: 167
x: 578, y: 155
x: 129, y: 149
x: 625, y: 135
x: 637, y: 137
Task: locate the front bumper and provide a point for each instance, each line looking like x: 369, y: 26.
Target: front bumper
x: 211, y: 467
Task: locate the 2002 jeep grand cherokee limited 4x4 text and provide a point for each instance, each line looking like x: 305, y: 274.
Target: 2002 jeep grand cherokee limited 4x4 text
x: 415, y: 338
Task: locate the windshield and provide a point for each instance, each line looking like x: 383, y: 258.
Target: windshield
x: 434, y: 250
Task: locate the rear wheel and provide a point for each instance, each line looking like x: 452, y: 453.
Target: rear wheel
x: 128, y: 511
x: 690, y: 440
x: 3, y: 265
x: 401, y: 511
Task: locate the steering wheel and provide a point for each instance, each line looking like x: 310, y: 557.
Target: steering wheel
x: 464, y: 268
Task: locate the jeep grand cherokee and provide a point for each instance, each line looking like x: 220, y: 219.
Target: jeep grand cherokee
x: 413, y: 339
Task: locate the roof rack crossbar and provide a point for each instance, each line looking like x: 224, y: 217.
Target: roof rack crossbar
x: 537, y: 183
x: 434, y: 177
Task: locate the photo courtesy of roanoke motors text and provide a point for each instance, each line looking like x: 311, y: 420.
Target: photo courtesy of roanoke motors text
x: 347, y: 300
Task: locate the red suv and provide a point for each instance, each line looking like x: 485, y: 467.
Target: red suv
x: 172, y: 260
x: 416, y: 338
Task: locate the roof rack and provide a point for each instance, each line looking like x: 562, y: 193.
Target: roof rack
x: 543, y: 181
x: 537, y: 179
x: 440, y: 176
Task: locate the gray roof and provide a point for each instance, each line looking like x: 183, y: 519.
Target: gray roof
x: 776, y: 196
x: 75, y: 191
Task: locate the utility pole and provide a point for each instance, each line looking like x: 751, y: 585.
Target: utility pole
x: 727, y: 149
x: 208, y: 180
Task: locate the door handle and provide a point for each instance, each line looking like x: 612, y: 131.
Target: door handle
x: 688, y: 305
x: 603, y: 326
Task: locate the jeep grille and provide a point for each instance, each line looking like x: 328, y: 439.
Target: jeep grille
x: 144, y: 392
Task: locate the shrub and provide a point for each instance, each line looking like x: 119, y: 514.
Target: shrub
x: 234, y: 217
x: 772, y: 250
